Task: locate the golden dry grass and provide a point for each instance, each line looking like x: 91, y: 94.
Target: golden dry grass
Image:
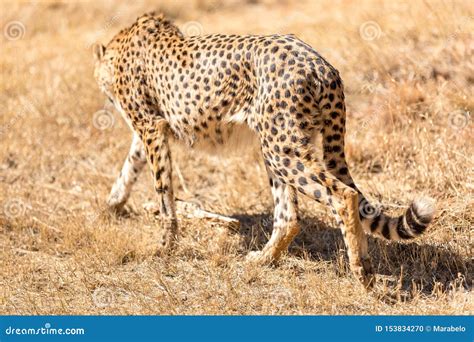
x: 409, y: 88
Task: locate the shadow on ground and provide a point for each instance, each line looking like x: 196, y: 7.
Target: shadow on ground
x: 419, y: 266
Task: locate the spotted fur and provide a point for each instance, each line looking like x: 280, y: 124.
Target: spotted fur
x: 205, y: 90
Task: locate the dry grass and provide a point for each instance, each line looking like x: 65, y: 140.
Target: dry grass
x: 409, y: 92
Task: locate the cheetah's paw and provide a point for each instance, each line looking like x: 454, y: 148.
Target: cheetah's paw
x: 259, y: 257
x: 364, y: 272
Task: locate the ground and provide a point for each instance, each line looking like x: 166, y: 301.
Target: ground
x: 408, y: 72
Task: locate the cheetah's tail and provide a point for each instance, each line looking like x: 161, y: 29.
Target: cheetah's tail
x: 407, y: 226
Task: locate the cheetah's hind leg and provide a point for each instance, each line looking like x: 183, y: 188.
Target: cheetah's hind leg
x: 285, y: 223
x: 155, y: 140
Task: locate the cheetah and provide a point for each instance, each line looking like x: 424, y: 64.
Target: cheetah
x: 204, y: 90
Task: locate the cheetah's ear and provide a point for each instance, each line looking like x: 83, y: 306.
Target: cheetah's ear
x: 98, y: 51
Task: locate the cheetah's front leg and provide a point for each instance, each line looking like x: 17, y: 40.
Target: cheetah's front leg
x: 155, y: 140
x: 131, y: 168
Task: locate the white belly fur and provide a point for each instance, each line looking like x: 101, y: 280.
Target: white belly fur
x: 236, y: 137
x: 240, y: 139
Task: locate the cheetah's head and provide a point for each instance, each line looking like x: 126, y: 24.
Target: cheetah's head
x: 104, y: 69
